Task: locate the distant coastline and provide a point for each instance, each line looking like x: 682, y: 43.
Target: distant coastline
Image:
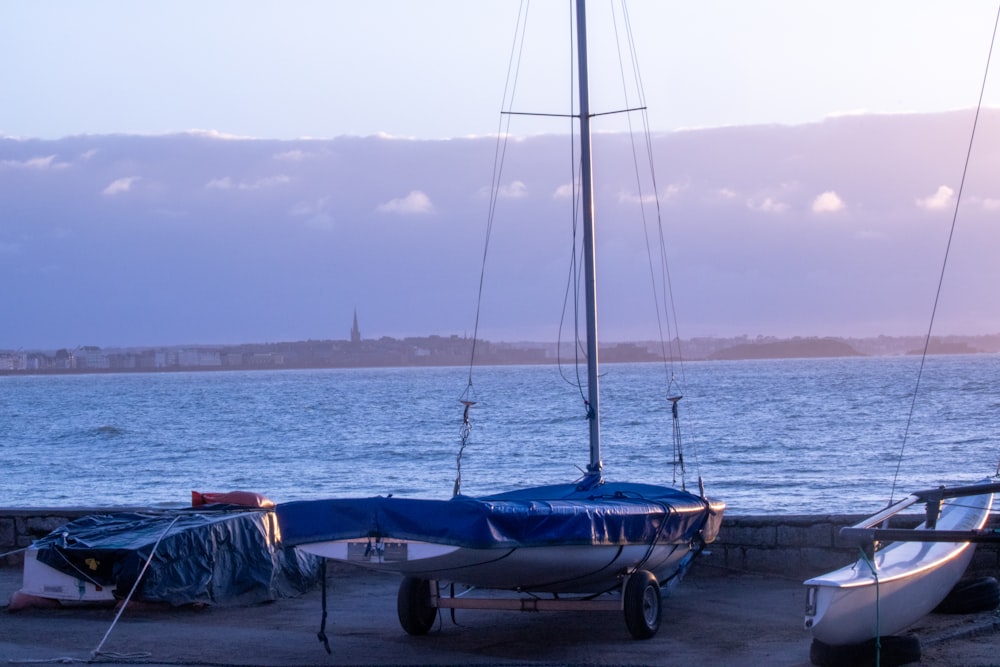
x: 456, y: 350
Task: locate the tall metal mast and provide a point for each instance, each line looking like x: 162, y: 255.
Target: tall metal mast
x: 589, y: 255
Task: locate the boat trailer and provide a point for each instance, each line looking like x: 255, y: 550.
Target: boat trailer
x: 640, y: 600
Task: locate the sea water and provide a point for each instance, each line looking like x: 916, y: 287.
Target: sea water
x: 810, y: 436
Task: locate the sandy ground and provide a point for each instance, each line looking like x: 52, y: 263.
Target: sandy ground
x: 713, y: 618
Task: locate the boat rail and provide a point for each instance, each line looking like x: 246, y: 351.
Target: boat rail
x: 866, y: 532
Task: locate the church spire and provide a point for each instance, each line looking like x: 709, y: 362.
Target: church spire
x: 355, y: 332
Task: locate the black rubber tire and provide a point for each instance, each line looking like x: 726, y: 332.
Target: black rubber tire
x: 413, y: 604
x: 642, y: 604
x: 895, y: 651
x: 970, y: 596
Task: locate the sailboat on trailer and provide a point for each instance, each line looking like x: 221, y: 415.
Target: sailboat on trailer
x: 589, y: 544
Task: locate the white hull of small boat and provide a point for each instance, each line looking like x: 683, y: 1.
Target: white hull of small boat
x: 41, y: 581
x: 852, y: 604
x: 552, y: 569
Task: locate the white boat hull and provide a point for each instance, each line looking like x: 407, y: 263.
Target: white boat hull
x: 555, y: 569
x: 554, y: 539
x: 853, y: 604
x: 41, y: 581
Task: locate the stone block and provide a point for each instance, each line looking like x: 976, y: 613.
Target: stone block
x: 806, y: 535
x: 40, y: 526
x: 819, y: 561
x: 727, y: 558
x: 771, y: 561
x: 8, y: 536
x: 743, y: 535
x: 985, y: 562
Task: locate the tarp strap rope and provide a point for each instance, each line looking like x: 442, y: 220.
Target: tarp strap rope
x: 135, y: 586
x: 321, y: 635
x: 451, y: 593
x: 15, y: 551
x: 80, y: 574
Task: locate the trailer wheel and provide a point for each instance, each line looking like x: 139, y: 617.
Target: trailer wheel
x: 642, y: 604
x: 413, y: 604
x: 970, y: 596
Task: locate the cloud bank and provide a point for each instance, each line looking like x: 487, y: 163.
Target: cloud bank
x: 832, y: 228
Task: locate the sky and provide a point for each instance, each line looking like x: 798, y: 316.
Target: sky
x: 232, y: 172
x: 435, y: 69
x: 836, y: 228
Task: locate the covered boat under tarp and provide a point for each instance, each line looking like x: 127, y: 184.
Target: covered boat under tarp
x: 455, y: 538
x: 217, y: 554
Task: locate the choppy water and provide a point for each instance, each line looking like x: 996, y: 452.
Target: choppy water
x: 786, y: 436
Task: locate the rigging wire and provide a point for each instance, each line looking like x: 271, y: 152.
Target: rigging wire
x: 661, y: 285
x: 669, y: 341
x: 575, y: 275
x: 467, y: 397
x: 635, y: 162
x: 500, y: 152
x: 944, y: 263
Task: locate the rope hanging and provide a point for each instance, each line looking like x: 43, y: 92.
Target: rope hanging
x: 678, y: 450
x: 321, y: 635
x: 878, y: 619
x: 653, y: 231
x: 466, y: 430
x: 500, y: 152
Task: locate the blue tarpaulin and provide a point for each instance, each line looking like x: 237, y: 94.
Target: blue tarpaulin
x: 565, y: 514
x: 215, y: 554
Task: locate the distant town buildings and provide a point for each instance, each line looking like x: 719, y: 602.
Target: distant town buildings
x: 455, y: 351
x: 432, y: 350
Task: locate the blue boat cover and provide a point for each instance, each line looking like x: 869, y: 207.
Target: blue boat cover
x: 564, y: 514
x: 215, y: 554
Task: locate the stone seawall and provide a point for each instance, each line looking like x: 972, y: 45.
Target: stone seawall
x: 792, y: 546
x: 803, y: 546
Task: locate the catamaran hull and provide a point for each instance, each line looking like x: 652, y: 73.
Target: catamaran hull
x: 852, y: 615
x: 852, y: 605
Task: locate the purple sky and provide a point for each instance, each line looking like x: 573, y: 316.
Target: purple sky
x: 830, y: 228
x: 808, y: 160
x: 435, y: 69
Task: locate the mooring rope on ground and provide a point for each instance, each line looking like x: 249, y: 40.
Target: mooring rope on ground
x: 135, y: 586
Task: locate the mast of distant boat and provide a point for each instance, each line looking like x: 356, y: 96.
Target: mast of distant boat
x: 589, y: 254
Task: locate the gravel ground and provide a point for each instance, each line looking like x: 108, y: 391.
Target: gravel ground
x: 713, y: 618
